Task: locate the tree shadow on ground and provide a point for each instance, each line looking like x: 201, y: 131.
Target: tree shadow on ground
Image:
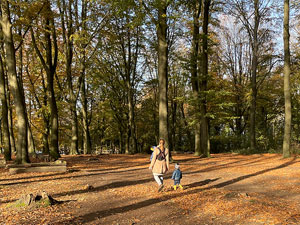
x: 96, y: 189
x: 227, y: 165
x: 105, y: 187
x: 31, y: 177
x: 199, y: 183
x: 89, y: 217
x: 71, y: 176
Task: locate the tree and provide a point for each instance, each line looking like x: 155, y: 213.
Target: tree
x: 287, y: 88
x: 197, y: 4
x: 204, y: 140
x: 68, y: 31
x: 162, y: 51
x: 49, y: 65
x: 15, y: 86
x: 5, y: 125
x: 87, y: 148
x: 255, y: 16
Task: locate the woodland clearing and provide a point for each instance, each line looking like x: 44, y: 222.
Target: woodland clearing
x: 120, y: 189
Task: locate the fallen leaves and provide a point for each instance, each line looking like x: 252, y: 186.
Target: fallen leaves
x: 255, y: 189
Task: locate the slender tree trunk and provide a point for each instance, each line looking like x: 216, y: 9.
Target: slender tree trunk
x: 54, y: 149
x: 10, y: 122
x: 172, y: 138
x: 86, y: 129
x: 127, y: 141
x: 194, y: 71
x: 50, y: 65
x: 121, y: 146
x: 188, y: 133
x: 253, y: 77
x: 163, y: 71
x: 66, y: 17
x: 204, y: 140
x: 287, y: 88
x: 46, y: 120
x: 46, y: 149
x: 87, y: 144
x: 31, y: 145
x: 5, y: 124
x: 132, y: 134
x: 74, y: 144
x: 22, y: 144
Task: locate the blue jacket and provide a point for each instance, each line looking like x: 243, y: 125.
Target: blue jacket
x: 177, y: 174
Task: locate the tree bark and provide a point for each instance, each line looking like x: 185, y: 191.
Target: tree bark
x: 67, y: 18
x: 194, y: 71
x: 86, y: 129
x: 287, y: 89
x: 10, y: 121
x: 253, y: 77
x: 87, y: 144
x: 50, y: 65
x: 22, y: 123
x: 31, y: 145
x: 204, y: 140
x: 163, y: 70
x: 5, y: 124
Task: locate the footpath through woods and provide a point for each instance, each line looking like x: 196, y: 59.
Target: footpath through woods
x: 120, y: 189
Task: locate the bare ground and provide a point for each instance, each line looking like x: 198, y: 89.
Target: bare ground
x: 223, y: 189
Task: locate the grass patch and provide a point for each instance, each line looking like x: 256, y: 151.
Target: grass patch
x: 16, y: 204
x: 253, y: 201
x: 43, y: 203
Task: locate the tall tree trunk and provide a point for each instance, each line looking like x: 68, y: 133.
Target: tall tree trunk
x: 204, y: 140
x: 172, y: 138
x: 253, y: 77
x: 132, y: 135
x: 50, y: 65
x: 127, y: 141
x: 54, y: 148
x: 31, y: 145
x: 22, y: 123
x: 66, y: 17
x: 74, y: 144
x: 287, y: 89
x: 5, y: 125
x: 73, y: 97
x: 163, y: 71
x: 46, y: 149
x: 87, y: 144
x: 194, y: 71
x: 45, y: 132
x: 46, y: 120
x: 188, y: 133
x: 10, y: 122
x: 86, y: 129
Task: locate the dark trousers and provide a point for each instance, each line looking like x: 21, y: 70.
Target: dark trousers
x: 176, y: 182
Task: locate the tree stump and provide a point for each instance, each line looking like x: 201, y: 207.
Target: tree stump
x: 38, y: 199
x: 26, y: 200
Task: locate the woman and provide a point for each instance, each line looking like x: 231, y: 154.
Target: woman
x: 160, y: 163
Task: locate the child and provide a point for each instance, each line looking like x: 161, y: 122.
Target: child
x: 152, y: 149
x: 177, y: 175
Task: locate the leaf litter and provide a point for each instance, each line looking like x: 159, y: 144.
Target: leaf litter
x: 223, y: 189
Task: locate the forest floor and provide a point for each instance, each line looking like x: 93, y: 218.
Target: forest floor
x: 223, y: 189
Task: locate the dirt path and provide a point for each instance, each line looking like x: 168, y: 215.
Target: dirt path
x: 225, y: 189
